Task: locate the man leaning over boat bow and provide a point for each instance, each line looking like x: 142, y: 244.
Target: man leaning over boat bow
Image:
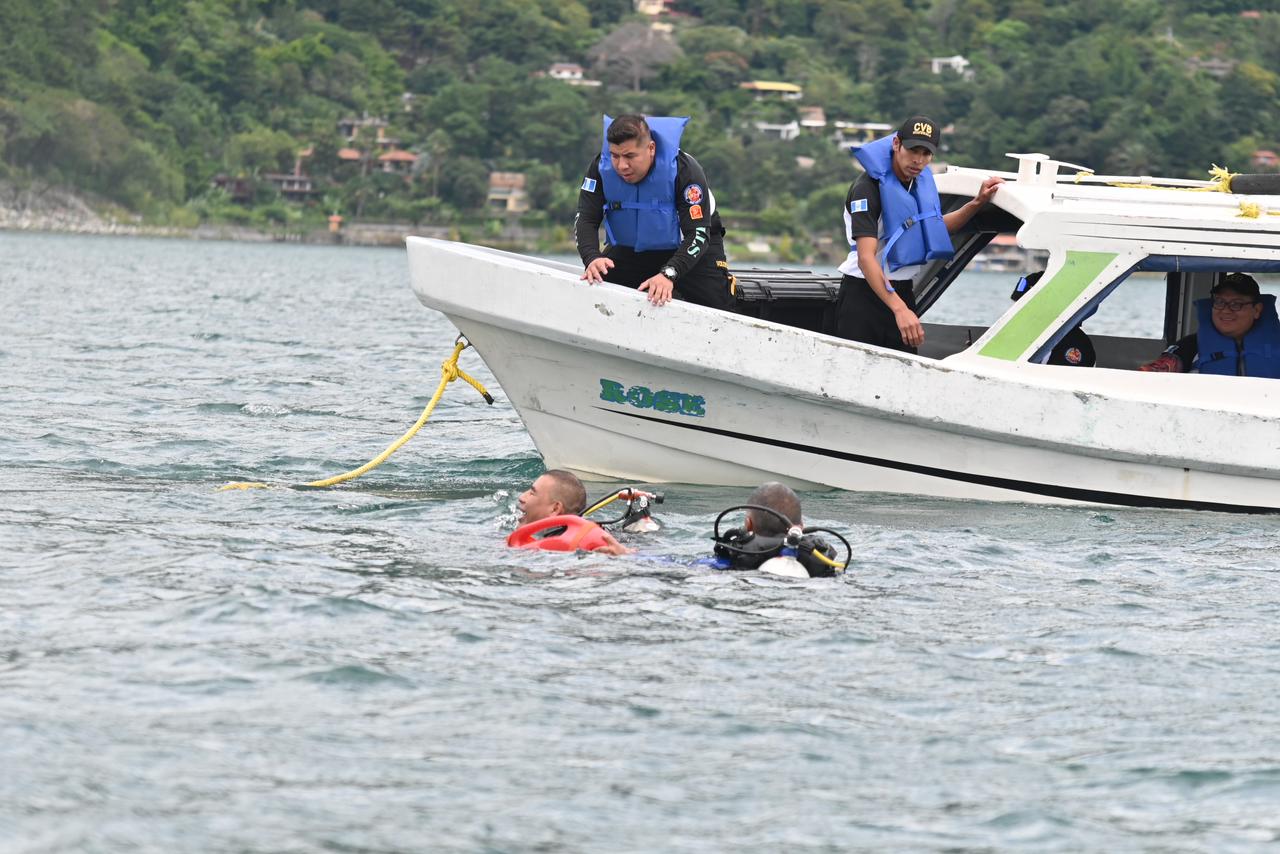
x: 894, y: 222
x: 663, y: 234
x: 1238, y: 334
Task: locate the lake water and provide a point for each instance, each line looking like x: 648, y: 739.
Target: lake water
x: 367, y: 668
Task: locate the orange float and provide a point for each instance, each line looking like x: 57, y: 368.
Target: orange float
x: 578, y: 533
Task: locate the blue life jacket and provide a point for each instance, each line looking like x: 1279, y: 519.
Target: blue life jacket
x: 912, y: 220
x: 643, y: 216
x: 1216, y: 353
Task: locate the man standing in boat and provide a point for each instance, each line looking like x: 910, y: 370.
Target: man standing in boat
x: 894, y: 222
x: 663, y: 235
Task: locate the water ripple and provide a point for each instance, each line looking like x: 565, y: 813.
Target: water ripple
x: 367, y: 667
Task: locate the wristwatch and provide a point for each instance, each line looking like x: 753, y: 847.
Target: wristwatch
x: 669, y: 272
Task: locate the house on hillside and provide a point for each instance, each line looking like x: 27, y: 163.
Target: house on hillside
x: 786, y: 131
x: 399, y: 162
x: 293, y: 187
x: 653, y: 8
x: 955, y: 64
x: 571, y: 73
x: 239, y: 189
x: 773, y: 89
x: 858, y: 134
x: 1213, y: 66
x: 1265, y: 159
x: 812, y: 118
x: 507, y: 193
x: 566, y: 71
x: 350, y: 127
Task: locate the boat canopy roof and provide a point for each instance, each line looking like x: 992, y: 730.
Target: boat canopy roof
x: 1202, y: 264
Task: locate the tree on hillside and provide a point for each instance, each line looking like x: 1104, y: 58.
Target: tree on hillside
x: 633, y: 53
x: 465, y: 184
x: 462, y: 111
x: 605, y: 12
x: 437, y: 148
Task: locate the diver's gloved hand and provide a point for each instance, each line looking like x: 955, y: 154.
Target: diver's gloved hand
x: 1166, y: 364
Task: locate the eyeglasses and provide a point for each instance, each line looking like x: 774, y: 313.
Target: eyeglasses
x: 1231, y: 305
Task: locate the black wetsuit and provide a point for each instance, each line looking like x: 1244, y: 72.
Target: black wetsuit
x: 702, y: 273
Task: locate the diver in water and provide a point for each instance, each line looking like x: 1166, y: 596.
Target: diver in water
x: 774, y: 539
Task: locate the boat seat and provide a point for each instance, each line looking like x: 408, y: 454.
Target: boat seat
x: 799, y: 298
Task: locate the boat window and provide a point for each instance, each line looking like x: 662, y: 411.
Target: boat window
x: 1134, y: 308
x: 1128, y: 321
x: 985, y: 244
x: 980, y: 295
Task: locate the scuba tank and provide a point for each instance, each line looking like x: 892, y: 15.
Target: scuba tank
x: 637, y: 518
x: 799, y: 553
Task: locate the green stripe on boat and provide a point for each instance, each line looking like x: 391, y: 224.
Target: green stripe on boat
x: 1048, y: 300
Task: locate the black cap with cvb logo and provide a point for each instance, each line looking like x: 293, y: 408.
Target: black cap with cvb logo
x: 921, y: 132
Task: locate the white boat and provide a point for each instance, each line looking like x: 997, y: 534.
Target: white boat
x: 613, y: 388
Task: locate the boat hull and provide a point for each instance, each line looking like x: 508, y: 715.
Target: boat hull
x: 613, y: 388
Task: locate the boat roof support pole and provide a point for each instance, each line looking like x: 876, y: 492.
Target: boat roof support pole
x: 1182, y: 289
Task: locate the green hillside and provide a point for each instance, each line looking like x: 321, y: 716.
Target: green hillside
x: 147, y: 102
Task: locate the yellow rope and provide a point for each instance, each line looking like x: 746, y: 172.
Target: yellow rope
x: 1220, y: 178
x: 449, y: 371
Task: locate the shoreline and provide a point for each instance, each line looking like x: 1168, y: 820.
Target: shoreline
x: 41, y: 208
x: 367, y: 235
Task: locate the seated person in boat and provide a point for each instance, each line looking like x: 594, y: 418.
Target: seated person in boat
x: 663, y: 234
x: 1076, y: 347
x: 893, y: 222
x: 1239, y: 334
x: 550, y: 518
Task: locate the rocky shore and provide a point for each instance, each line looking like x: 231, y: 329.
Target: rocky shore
x: 43, y: 207
x: 37, y: 206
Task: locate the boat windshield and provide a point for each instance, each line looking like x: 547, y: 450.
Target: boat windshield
x: 1131, y: 319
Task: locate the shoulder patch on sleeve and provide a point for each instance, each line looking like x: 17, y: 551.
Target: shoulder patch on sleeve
x: 695, y: 212
x: 857, y: 206
x: 589, y: 184
x: 693, y: 194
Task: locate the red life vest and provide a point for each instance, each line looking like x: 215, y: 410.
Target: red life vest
x: 578, y: 533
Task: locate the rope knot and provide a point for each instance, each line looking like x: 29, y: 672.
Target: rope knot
x: 1250, y: 210
x: 1221, y: 178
